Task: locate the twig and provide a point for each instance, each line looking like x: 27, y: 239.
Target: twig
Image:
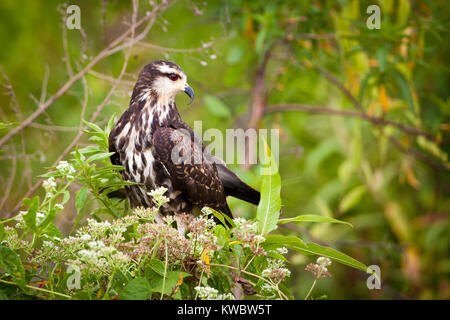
x: 341, y: 87
x: 165, y: 49
x: 39, y: 289
x: 104, y: 53
x: 251, y: 274
x: 10, y: 180
x: 93, y: 117
x: 348, y: 113
x: 380, y: 122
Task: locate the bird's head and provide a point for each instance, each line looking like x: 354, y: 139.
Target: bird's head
x: 162, y: 80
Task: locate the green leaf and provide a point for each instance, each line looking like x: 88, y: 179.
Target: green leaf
x: 10, y: 262
x: 2, y: 232
x: 100, y: 156
x: 314, y: 248
x: 110, y: 124
x: 30, y: 216
x: 279, y: 241
x: 222, y: 217
x: 93, y: 126
x: 235, y: 54
x: 52, y: 232
x: 48, y: 219
x: 170, y: 282
x: 291, y: 242
x: 90, y: 149
x: 136, y: 289
x: 260, y: 41
x: 404, y: 87
x: 381, y: 57
x: 217, y: 107
x: 80, y: 199
x: 4, y: 125
x: 222, y: 234
x: 269, y: 206
x: 312, y: 218
x: 352, y: 198
x: 3, y: 295
x: 158, y: 266
x: 364, y: 83
x: 66, y: 197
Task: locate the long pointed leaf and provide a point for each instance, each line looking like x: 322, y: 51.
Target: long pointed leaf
x: 270, y: 204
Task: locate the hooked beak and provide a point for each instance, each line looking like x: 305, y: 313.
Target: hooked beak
x: 189, y: 92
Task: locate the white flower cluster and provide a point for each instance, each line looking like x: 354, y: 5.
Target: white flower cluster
x: 49, y: 245
x: 21, y: 222
x: 98, y: 228
x: 276, y: 271
x: 244, y: 225
x: 66, y: 169
x: 319, y: 269
x: 99, y: 258
x: 208, y: 293
x: 49, y: 185
x: 323, y: 261
x: 158, y: 196
x: 13, y: 241
x: 268, y: 291
x: 145, y: 213
x: 259, y: 239
x: 207, y: 215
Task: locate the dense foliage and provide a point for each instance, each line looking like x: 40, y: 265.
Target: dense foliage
x: 131, y: 256
x: 364, y: 127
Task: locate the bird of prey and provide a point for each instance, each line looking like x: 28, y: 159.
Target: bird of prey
x: 158, y: 149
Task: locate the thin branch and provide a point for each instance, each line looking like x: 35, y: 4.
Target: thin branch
x: 165, y: 49
x: 340, y: 86
x: 97, y: 111
x: 348, y: 113
x: 379, y: 122
x: 110, y: 79
x: 104, y: 53
x: 10, y: 180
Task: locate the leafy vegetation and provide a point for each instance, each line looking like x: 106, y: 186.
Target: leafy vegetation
x: 363, y: 119
x: 129, y: 256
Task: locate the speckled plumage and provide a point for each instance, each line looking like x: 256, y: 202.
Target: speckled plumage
x: 147, y: 134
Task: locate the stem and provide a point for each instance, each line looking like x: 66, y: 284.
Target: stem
x: 39, y: 289
x: 314, y: 283
x: 282, y: 295
x: 165, y: 270
x: 109, y: 284
x: 199, y: 284
x: 310, y: 289
x: 251, y: 259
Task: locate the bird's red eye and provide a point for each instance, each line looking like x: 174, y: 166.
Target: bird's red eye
x: 173, y: 76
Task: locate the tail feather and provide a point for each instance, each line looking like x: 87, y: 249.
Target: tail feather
x: 235, y: 187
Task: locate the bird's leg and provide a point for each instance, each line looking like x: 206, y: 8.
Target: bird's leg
x: 182, y: 222
x: 159, y: 218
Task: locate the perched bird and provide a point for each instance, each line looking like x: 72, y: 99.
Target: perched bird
x: 158, y: 149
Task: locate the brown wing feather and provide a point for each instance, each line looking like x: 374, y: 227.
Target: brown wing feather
x: 197, y: 178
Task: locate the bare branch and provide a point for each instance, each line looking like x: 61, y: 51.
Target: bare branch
x: 97, y: 111
x: 379, y: 122
x: 104, y: 53
x: 165, y: 49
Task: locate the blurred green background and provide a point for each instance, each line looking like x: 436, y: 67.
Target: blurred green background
x: 249, y: 61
